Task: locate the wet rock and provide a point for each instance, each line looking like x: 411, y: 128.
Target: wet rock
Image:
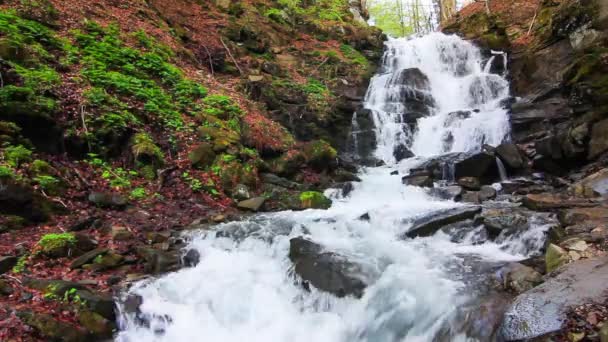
x: 481, y: 165
x: 555, y: 257
x: 434, y: 221
x: 592, y: 186
x: 56, y: 287
x: 108, y: 199
x: 421, y: 179
x: 325, y: 271
x: 471, y: 197
x: 453, y: 192
x: 395, y: 173
x: 253, y: 204
x: 543, y: 309
x: 346, y: 188
x: 191, y: 258
x: 157, y: 261
x: 487, y: 193
x: 271, y: 178
x: 504, y: 220
x: 481, y: 318
x: 364, y: 217
x: 519, y: 278
x: 7, y: 263
x: 105, y: 261
x: 510, y: 155
x: 99, y: 303
x: 402, y: 152
x: 469, y: 183
x: 51, y: 328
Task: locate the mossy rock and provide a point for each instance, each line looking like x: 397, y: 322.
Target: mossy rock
x: 12, y: 222
x: 314, y: 200
x: 320, y: 155
x: 144, y: 150
x: 555, y: 257
x: 57, y: 245
x: 97, y: 326
x: 52, y: 329
x: 288, y: 164
x: 202, y: 156
x: 220, y: 138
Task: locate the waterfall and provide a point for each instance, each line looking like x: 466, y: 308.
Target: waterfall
x: 501, y: 169
x: 432, y: 95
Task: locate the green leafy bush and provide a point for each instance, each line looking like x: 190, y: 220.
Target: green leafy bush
x: 16, y: 155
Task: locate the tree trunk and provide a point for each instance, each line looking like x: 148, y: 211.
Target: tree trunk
x: 447, y: 8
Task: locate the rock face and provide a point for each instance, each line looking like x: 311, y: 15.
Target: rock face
x: 510, y: 155
x: 542, y: 310
x: 20, y: 200
x: 418, y: 178
x: 434, y: 221
x: 253, y: 204
x: 325, y: 271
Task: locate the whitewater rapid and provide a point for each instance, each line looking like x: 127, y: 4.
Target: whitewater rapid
x: 244, y: 288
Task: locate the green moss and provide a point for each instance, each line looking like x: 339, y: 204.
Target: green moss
x: 320, y: 154
x: 21, y: 264
x: 40, y: 167
x: 314, y: 200
x: 50, y: 243
x: 221, y: 106
x: 16, y: 155
x: 145, y: 150
x: 138, y: 193
x: 354, y: 56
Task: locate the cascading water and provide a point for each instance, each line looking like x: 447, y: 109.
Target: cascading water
x: 244, y: 287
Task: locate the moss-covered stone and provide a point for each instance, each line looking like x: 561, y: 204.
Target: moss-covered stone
x: 202, y: 156
x: 555, y: 257
x: 320, y: 155
x: 98, y: 326
x: 57, y: 245
x: 314, y: 200
x: 148, y: 156
x: 52, y: 329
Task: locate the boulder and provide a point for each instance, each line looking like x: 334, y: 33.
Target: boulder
x: 471, y: 197
x: 87, y: 257
x: 543, y: 310
x: 202, y: 156
x: 21, y: 200
x: 421, y: 179
x: 487, y: 193
x: 325, y: 271
x: 191, y: 258
x: 549, y: 201
x: 480, y: 165
x: 519, y: 278
x: 432, y: 222
x: 86, y: 223
x: 573, y: 216
x: 52, y: 329
x: 158, y: 261
x: 599, y: 139
x: 469, y: 183
x: 555, y: 257
x: 97, y: 326
x: 253, y: 204
x: 241, y: 192
x: 453, y: 192
x: 592, y: 186
x: 510, y: 155
x: 120, y: 233
x: 402, y: 152
x: 7, y: 263
x: 271, y: 178
x: 108, y: 199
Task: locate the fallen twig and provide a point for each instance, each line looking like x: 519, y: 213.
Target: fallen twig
x: 231, y: 56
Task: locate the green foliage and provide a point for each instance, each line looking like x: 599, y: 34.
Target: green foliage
x: 275, y: 14
x: 54, y: 241
x: 46, y: 182
x: 40, y: 167
x: 16, y: 155
x: 143, y: 145
x: 7, y: 172
x: 315, y: 200
x: 195, y: 184
x: 353, y: 55
x: 116, y: 177
x: 221, y: 106
x: 21, y: 264
x: 148, y: 75
x: 138, y: 193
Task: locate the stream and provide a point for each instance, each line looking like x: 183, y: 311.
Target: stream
x: 433, y: 95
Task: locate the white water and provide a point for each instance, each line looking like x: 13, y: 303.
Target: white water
x: 244, y: 288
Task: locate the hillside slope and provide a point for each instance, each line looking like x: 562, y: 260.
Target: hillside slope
x: 124, y: 121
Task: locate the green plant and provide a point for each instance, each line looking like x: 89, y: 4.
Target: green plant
x: 46, y: 182
x: 116, y: 177
x: 221, y: 106
x: 195, y: 184
x: 355, y: 56
x: 7, y: 172
x: 53, y: 241
x: 21, y: 264
x: 16, y: 155
x: 138, y: 193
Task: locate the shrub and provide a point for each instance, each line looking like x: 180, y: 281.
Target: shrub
x: 16, y: 155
